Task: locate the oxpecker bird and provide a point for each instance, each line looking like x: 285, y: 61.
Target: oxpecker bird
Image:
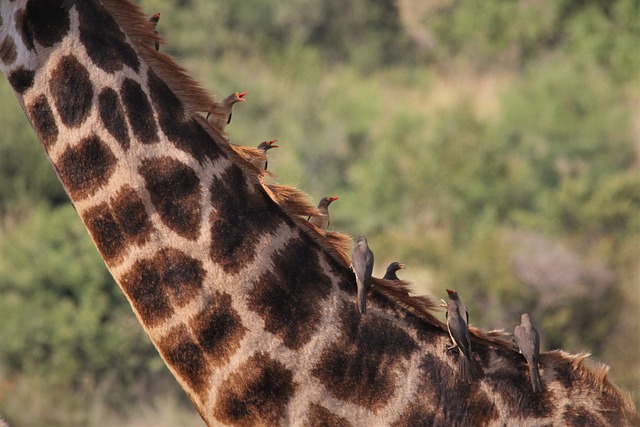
x: 468, y: 368
x: 528, y: 341
x: 154, y: 20
x: 391, y: 271
x: 362, y: 265
x: 462, y: 309
x: 220, y: 121
x: 323, y: 220
x: 264, y: 146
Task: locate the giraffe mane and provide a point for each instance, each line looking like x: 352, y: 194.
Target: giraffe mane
x: 296, y: 204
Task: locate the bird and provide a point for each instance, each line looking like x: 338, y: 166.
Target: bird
x: 323, y: 220
x: 391, y: 271
x: 528, y: 340
x: 222, y: 119
x: 154, y: 20
x: 468, y: 368
x: 264, y: 146
x: 462, y: 309
x: 362, y: 266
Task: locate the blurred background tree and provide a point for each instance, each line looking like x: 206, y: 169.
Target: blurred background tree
x: 492, y: 146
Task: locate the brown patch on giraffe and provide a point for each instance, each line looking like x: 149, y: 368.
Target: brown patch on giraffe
x: 256, y: 393
x: 507, y: 374
x: 86, y: 167
x: 614, y: 409
x: 103, y: 40
x: 218, y: 328
x: 425, y: 331
x: 105, y: 231
x: 182, y: 131
x: 238, y: 219
x: 457, y: 402
x: 288, y: 297
x: 185, y: 356
x: 319, y: 416
x: 416, y: 415
x: 139, y: 112
x: 578, y: 416
x: 43, y: 121
x: 175, y: 193
x: 112, y: 116
x: 155, y: 285
x: 72, y: 91
x: 364, y: 363
x: 131, y: 215
x: 24, y: 29
x: 47, y: 21
x: 8, y: 50
x: 21, y: 79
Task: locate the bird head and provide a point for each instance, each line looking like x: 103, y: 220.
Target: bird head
x: 235, y: 97
x: 326, y: 201
x: 395, y: 266
x: 155, y: 18
x: 267, y: 145
x: 452, y: 294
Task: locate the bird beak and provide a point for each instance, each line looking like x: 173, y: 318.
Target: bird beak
x: 240, y: 96
x: 401, y: 266
x: 272, y: 143
x: 444, y: 303
x: 334, y: 198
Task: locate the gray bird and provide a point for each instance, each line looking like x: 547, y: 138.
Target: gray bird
x: 154, y: 20
x: 528, y: 341
x: 468, y: 368
x: 362, y: 265
x: 462, y: 309
x: 221, y: 121
x: 264, y: 146
x: 323, y: 220
x: 391, y: 271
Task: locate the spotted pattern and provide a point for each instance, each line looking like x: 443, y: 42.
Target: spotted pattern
x: 576, y: 416
x: 175, y: 193
x: 185, y: 356
x: 72, y: 91
x: 425, y: 332
x: 106, y: 232
x: 21, y: 79
x: 289, y: 296
x: 46, y: 21
x: 611, y: 399
x: 139, y: 112
x: 104, y: 41
x: 8, y: 50
x: 364, y: 363
x: 319, y: 416
x: 157, y: 284
x: 182, y: 131
x: 457, y: 403
x: 112, y: 116
x: 86, y: 167
x: 43, y: 121
x: 24, y: 29
x: 218, y: 329
x: 416, y: 415
x: 256, y: 393
x: 131, y: 215
x: 239, y: 219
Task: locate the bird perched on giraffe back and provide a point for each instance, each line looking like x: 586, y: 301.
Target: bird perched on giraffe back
x: 322, y: 220
x: 528, y: 340
x: 222, y: 118
x: 155, y: 18
x: 462, y: 309
x: 362, y: 265
x: 391, y: 271
x: 468, y: 369
x: 263, y: 147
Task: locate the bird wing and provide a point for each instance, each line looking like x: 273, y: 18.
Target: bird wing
x: 524, y: 340
x: 363, y: 264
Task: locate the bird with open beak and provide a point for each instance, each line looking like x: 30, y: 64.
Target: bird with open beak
x: 322, y: 220
x: 390, y: 274
x: 221, y: 120
x: 263, y: 147
x: 462, y: 309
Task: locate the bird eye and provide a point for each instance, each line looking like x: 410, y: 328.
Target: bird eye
x: 236, y: 94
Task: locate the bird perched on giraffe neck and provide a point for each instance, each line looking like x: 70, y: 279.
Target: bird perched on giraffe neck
x: 391, y: 271
x: 528, y: 340
x: 462, y: 309
x: 362, y: 266
x: 263, y: 147
x: 155, y: 18
x: 322, y: 220
x: 468, y: 369
x: 221, y: 119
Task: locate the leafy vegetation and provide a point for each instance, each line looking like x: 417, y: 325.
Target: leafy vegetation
x: 492, y: 146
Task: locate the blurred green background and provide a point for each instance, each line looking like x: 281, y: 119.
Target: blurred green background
x: 493, y: 146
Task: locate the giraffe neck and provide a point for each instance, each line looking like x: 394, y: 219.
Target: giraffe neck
x: 252, y: 311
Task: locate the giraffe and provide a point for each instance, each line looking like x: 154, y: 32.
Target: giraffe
x: 252, y: 309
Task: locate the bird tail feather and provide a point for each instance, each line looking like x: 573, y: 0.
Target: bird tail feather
x: 535, y: 377
x: 468, y: 369
x: 362, y: 300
